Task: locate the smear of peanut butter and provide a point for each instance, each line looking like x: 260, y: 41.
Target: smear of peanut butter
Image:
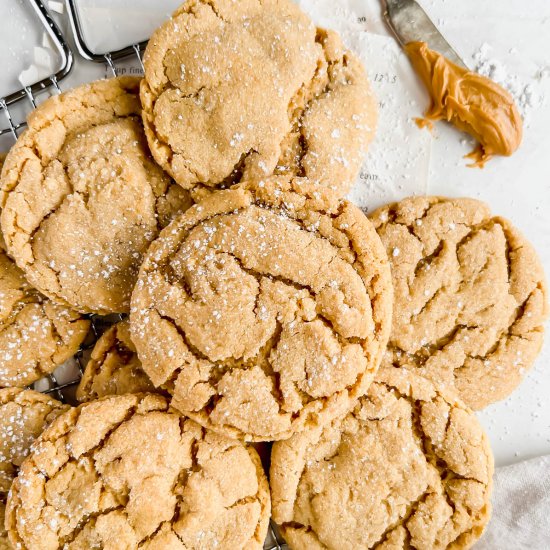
x: 473, y: 103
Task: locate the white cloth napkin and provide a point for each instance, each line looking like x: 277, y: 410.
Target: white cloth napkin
x: 521, y: 507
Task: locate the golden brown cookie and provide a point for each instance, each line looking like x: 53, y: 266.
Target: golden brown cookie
x: 36, y: 335
x: 410, y: 467
x: 264, y: 309
x: 470, y: 295
x: 129, y: 472
x: 23, y: 416
x: 114, y: 367
x: 243, y: 89
x: 82, y: 199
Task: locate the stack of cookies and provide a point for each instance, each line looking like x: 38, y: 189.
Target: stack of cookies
x: 204, y: 205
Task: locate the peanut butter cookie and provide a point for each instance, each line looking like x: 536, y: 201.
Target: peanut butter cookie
x: 82, y: 199
x: 114, y: 367
x: 470, y: 296
x: 410, y: 467
x: 23, y: 416
x: 129, y: 472
x: 264, y: 309
x: 243, y: 89
x: 36, y: 335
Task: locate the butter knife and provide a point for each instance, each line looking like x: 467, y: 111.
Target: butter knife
x: 410, y: 23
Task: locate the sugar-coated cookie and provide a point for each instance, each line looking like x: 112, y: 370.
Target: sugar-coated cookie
x: 36, y: 335
x: 470, y: 295
x: 114, y: 367
x: 408, y: 468
x: 23, y: 416
x: 129, y: 472
x: 264, y: 309
x: 244, y: 89
x: 82, y: 198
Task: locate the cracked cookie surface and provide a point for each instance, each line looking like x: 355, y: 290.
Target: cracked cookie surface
x: 244, y: 89
x: 264, y: 309
x: 82, y: 199
x: 36, y: 335
x: 410, y: 467
x: 470, y: 296
x: 114, y: 367
x: 23, y: 416
x: 129, y: 472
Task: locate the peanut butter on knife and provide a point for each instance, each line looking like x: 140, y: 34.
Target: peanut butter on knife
x: 473, y: 103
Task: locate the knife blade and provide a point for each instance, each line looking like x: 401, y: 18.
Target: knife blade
x: 410, y: 23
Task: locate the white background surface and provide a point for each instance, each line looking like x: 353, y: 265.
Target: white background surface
x: 517, y: 187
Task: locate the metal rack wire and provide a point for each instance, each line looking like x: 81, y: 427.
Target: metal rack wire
x: 64, y: 390
x: 51, y: 83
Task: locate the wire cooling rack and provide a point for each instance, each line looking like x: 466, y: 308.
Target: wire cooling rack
x: 49, y: 84
x: 26, y: 97
x: 63, y: 381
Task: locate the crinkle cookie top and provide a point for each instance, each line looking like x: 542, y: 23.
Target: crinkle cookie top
x: 470, y: 295
x: 242, y: 89
x: 264, y: 309
x: 410, y: 467
x: 36, y: 335
x: 82, y: 199
x: 114, y: 367
x: 23, y: 416
x: 128, y: 472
